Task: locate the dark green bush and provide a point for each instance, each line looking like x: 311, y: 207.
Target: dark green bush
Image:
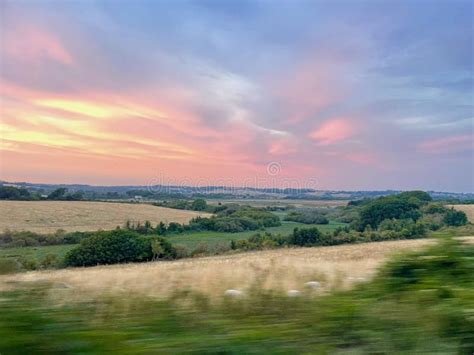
x: 262, y: 217
x: 14, y: 193
x: 238, y: 220
x: 308, y: 237
x: 307, y: 217
x: 455, y: 218
x: 118, y: 246
x: 434, y: 207
x: 388, y: 208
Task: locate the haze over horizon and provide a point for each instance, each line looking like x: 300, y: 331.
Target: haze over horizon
x: 355, y: 95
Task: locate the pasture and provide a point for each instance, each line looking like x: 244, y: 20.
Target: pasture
x: 192, y: 239
x: 35, y: 253
x: 283, y: 269
x: 71, y: 216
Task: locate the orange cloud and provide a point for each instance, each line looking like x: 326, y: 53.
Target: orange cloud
x: 333, y: 131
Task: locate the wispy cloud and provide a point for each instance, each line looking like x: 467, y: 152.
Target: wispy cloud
x: 116, y: 93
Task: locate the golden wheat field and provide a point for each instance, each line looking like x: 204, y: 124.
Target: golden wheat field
x: 49, y: 216
x: 283, y: 269
x: 467, y: 209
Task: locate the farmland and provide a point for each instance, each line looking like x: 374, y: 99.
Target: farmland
x: 71, y: 216
x: 192, y: 239
x: 170, y: 305
x: 284, y: 269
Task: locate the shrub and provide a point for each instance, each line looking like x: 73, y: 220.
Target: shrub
x: 434, y: 207
x: 387, y: 208
x: 455, y: 218
x: 28, y: 263
x: 244, y: 244
x: 174, y: 227
x: 308, y: 237
x: 260, y: 216
x: 26, y: 239
x: 14, y: 193
x: 161, y: 248
x: 199, y: 205
x: 8, y: 266
x: 50, y: 261
x: 201, y: 249
x: 221, y: 248
x: 432, y: 221
x: 118, y: 246
x: 307, y: 217
x: 181, y: 251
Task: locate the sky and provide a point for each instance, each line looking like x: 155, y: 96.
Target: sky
x: 346, y: 95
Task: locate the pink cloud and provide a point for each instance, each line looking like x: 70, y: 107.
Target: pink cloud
x: 282, y: 146
x: 333, y: 131
x: 447, y: 144
x: 32, y: 45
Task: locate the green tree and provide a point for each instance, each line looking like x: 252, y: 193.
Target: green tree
x: 387, y: 208
x: 161, y: 229
x: 58, y: 194
x: 455, y: 218
x: 14, y: 193
x: 307, y: 237
x: 199, y: 205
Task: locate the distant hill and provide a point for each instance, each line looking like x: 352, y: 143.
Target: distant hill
x: 221, y: 192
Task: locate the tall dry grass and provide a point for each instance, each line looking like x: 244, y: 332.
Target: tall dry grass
x: 282, y: 269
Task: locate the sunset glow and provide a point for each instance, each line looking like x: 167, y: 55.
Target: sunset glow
x: 123, y: 93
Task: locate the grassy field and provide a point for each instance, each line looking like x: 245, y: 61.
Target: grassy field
x: 413, y: 305
x: 49, y: 216
x: 192, y: 239
x: 467, y: 209
x: 37, y: 253
x: 283, y: 269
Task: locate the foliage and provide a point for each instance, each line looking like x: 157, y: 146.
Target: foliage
x: 262, y: 217
x: 14, y: 193
x: 235, y: 219
x: 118, y: 246
x: 308, y: 216
x: 62, y: 194
x: 306, y: 237
x: 195, y: 205
x: 375, y: 212
x: 455, y: 218
x: 12, y: 239
x: 199, y: 205
x: 435, y: 207
x: 418, y: 195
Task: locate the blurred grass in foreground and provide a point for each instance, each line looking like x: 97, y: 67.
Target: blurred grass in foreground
x: 419, y: 302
